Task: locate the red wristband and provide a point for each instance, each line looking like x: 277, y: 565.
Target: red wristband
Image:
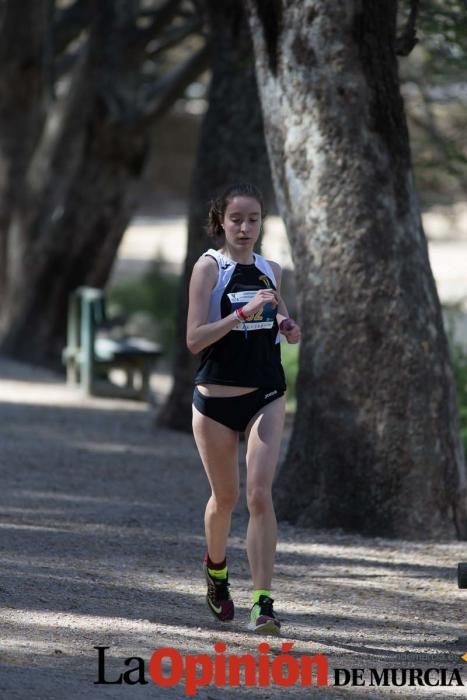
x: 241, y: 314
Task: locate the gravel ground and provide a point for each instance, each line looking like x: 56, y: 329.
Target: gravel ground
x: 101, y: 538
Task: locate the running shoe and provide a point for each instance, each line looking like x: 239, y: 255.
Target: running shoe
x: 263, y: 619
x: 218, y: 598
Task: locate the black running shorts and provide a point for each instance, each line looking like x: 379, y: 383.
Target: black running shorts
x: 234, y: 411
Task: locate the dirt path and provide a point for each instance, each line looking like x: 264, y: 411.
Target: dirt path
x: 101, y: 540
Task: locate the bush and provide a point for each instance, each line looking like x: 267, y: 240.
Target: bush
x: 153, y: 296
x: 289, y: 354
x: 454, y: 317
x: 459, y: 366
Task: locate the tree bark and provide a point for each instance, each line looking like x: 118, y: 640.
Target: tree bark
x: 231, y: 148
x: 23, y: 104
x: 376, y: 446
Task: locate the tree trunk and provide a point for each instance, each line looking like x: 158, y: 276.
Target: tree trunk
x: 79, y: 242
x: 23, y: 104
x: 79, y: 188
x: 376, y: 446
x: 74, y: 205
x: 231, y: 148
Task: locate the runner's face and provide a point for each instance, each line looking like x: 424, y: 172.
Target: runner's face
x: 242, y: 222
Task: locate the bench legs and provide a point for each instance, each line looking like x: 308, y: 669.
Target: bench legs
x: 137, y: 378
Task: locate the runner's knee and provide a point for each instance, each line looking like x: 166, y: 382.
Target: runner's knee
x: 259, y: 499
x: 225, y: 502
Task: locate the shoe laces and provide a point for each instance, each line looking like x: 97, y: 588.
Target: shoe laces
x: 265, y: 605
x: 220, y: 588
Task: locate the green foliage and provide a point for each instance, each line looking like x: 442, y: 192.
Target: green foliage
x: 432, y: 77
x: 154, y: 295
x: 442, y: 34
x: 289, y: 355
x: 458, y: 355
x: 459, y: 365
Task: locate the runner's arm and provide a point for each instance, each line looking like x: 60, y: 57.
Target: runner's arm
x: 199, y: 333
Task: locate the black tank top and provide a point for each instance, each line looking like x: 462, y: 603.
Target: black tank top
x: 248, y: 355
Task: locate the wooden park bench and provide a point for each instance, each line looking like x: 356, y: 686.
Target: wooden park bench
x: 89, y: 356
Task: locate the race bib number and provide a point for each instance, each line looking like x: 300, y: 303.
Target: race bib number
x: 257, y: 321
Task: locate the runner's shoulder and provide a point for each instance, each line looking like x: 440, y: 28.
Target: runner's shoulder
x: 276, y: 268
x: 206, y: 266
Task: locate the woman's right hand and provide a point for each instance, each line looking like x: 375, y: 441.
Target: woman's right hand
x: 262, y: 297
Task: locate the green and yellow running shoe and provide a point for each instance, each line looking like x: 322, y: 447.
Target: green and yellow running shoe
x: 263, y: 619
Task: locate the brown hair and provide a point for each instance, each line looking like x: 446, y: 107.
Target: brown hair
x: 220, y: 203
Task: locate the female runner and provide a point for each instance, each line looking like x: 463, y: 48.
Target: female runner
x: 235, y: 318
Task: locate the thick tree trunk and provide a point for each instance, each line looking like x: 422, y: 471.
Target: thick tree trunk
x: 231, y: 148
x: 376, y: 445
x: 79, y: 185
x: 80, y: 241
x: 74, y: 205
x: 23, y: 104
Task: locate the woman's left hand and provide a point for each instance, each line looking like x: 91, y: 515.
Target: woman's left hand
x: 291, y: 330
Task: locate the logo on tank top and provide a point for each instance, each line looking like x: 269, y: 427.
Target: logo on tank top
x: 266, y: 280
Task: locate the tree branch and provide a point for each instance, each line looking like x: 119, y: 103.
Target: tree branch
x: 70, y: 22
x: 138, y: 39
x: 64, y: 121
x: 171, y: 86
x: 173, y: 37
x: 408, y: 39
